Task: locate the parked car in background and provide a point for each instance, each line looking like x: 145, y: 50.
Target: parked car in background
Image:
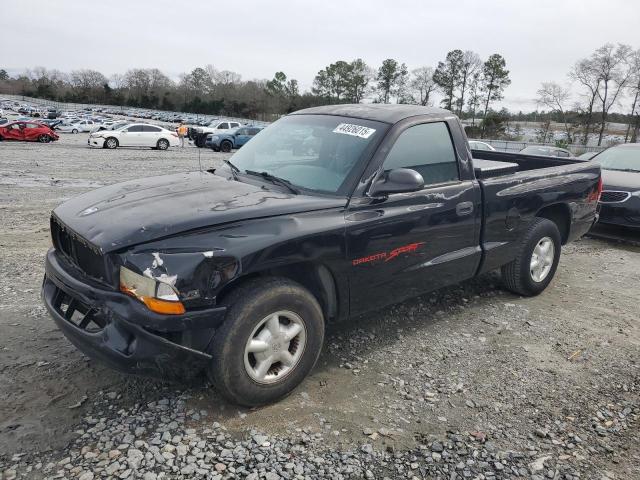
x: 546, y: 151
x: 51, y: 123
x: 199, y: 135
x: 3, y: 121
x: 135, y: 135
x: 27, y: 132
x: 620, y: 199
x: 476, y: 145
x: 233, y: 138
x: 76, y: 126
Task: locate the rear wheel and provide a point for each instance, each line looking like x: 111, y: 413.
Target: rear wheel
x: 536, y: 261
x: 269, y: 342
x: 111, y: 143
x: 162, y: 144
x: 75, y: 130
x: 225, y: 146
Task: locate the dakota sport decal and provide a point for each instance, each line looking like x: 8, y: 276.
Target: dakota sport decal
x: 386, y: 256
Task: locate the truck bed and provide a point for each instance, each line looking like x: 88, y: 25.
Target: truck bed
x: 488, y: 164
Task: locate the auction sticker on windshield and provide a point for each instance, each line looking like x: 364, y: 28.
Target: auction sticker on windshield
x: 355, y: 130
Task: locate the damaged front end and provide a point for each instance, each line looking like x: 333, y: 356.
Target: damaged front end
x: 129, y: 324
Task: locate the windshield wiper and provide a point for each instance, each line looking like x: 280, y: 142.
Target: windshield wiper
x: 275, y: 180
x: 234, y: 170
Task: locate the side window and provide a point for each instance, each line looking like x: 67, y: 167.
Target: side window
x: 241, y: 131
x: 32, y: 125
x: 150, y: 128
x: 223, y: 126
x: 235, y: 125
x: 253, y: 131
x: 427, y: 149
x: 135, y: 128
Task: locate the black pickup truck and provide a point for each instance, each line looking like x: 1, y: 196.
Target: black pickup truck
x: 328, y: 213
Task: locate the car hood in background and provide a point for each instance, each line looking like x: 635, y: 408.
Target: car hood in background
x: 139, y: 211
x: 617, y: 180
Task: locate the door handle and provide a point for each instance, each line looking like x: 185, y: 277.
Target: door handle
x: 464, y: 208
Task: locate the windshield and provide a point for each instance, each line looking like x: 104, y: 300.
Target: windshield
x: 314, y: 152
x: 623, y: 158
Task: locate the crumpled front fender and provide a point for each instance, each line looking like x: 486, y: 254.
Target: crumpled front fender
x: 197, y: 276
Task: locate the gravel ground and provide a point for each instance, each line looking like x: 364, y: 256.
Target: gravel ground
x: 468, y: 382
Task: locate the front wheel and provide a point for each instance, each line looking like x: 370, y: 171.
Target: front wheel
x: 75, y: 130
x: 44, y: 138
x: 163, y: 144
x: 226, y: 146
x: 111, y: 143
x: 269, y: 342
x: 536, y: 261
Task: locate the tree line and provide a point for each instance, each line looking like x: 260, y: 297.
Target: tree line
x: 463, y: 79
x: 467, y: 85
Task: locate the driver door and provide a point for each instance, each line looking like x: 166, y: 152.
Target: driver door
x: 404, y: 244
x: 131, y: 137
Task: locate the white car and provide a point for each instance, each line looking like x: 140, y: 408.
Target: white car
x: 77, y: 127
x: 476, y: 145
x: 135, y: 135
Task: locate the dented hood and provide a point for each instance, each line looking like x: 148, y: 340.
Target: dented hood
x: 139, y: 211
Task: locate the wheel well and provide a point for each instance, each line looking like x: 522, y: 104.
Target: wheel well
x: 315, y: 278
x: 560, y: 215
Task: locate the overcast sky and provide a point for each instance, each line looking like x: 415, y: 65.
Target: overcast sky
x: 540, y: 39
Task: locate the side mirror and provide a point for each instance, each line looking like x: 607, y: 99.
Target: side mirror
x: 398, y: 180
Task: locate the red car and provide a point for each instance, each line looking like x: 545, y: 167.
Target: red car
x: 27, y: 132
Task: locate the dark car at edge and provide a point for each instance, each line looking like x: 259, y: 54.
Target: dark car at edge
x: 620, y: 200
x: 327, y: 214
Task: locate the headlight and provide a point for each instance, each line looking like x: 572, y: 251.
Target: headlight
x: 215, y: 137
x: 635, y: 194
x: 158, y: 296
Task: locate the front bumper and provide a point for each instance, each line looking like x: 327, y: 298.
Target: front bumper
x: 624, y: 214
x: 96, y: 142
x: 114, y: 328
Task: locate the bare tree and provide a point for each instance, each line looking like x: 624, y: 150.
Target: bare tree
x: 634, y: 91
x: 474, y: 95
x: 471, y: 63
x: 555, y: 97
x: 585, y: 73
x: 421, y: 85
x: 612, y: 66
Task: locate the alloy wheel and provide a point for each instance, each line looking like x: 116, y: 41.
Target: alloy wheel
x: 275, y: 347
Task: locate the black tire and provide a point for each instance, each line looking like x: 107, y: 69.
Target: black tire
x: 44, y: 138
x: 162, y: 144
x: 517, y: 275
x: 111, y: 143
x: 226, y: 146
x: 248, y: 305
x: 200, y: 139
x: 75, y: 130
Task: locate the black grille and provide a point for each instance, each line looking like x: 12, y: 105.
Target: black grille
x: 76, y: 312
x: 610, y: 196
x: 78, y: 251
